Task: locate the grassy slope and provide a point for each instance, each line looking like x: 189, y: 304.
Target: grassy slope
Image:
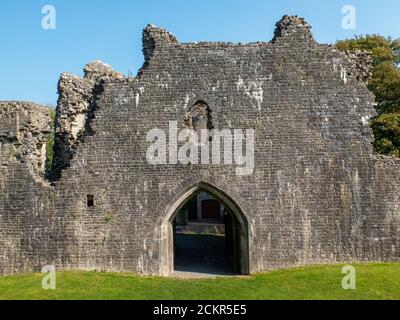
x: 374, y: 281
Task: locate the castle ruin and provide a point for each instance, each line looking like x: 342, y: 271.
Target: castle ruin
x: 317, y: 194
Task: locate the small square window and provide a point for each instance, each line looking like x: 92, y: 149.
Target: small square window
x: 90, y: 201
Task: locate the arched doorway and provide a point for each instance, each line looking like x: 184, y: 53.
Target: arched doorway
x: 205, y: 232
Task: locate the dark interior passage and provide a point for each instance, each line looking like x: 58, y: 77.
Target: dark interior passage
x: 206, y: 237
x: 202, y: 254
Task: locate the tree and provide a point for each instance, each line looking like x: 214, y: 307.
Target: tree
x: 385, y: 84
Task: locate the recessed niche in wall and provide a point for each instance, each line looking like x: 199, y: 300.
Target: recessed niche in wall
x: 90, y: 201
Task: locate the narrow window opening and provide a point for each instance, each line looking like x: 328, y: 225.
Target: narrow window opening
x: 90, y: 201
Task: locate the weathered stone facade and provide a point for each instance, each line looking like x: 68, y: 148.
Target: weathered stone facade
x: 318, y: 194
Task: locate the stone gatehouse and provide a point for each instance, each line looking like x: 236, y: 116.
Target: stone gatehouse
x: 317, y: 193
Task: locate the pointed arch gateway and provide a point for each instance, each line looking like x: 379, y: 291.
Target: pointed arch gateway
x: 236, y: 226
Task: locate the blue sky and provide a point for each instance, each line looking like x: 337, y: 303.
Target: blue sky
x: 31, y: 58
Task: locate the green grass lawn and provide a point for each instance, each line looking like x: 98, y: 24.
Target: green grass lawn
x: 374, y: 281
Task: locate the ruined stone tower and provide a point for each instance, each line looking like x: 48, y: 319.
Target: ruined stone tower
x: 317, y: 194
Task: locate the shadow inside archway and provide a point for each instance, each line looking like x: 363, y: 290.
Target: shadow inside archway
x: 202, y: 254
x: 205, y: 238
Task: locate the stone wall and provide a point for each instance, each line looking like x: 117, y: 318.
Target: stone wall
x: 24, y: 201
x: 384, y: 220
x: 74, y: 109
x: 24, y: 130
x: 317, y: 194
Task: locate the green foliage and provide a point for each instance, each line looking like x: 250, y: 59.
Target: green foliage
x: 385, y: 84
x: 387, y: 133
x: 50, y: 143
x: 109, y: 217
x: 374, y: 281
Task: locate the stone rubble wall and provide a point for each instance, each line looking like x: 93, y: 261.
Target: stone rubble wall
x: 363, y: 63
x: 73, y: 108
x: 24, y: 198
x: 24, y: 130
x: 386, y: 224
